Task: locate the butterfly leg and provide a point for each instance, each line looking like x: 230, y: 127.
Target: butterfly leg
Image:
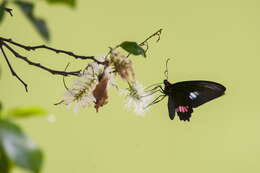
x: 157, y: 100
x: 156, y: 89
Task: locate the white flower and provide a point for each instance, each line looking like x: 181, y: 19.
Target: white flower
x: 137, y: 98
x: 81, y: 97
x: 93, y: 71
x: 90, y: 87
x: 82, y: 94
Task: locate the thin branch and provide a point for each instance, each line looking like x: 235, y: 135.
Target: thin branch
x: 145, y: 42
x: 12, y: 70
x: 69, y: 53
x: 60, y: 102
x: 54, y: 72
x: 157, y: 33
x: 8, y: 43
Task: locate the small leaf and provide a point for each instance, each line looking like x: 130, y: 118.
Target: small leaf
x: 18, y: 148
x: 71, y: 3
x: 26, y: 112
x: 133, y: 48
x: 40, y: 25
x: 5, y: 164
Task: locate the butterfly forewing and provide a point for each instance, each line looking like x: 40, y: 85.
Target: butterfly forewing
x: 198, y: 92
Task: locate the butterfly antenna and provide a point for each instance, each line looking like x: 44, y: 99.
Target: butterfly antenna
x: 166, y: 70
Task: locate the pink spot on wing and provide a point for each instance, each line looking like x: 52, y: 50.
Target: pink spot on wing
x: 182, y: 109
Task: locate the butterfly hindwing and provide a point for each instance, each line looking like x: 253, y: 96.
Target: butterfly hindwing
x: 184, y: 112
x: 183, y: 105
x: 171, y: 107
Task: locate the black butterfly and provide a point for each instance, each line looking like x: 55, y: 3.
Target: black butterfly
x: 186, y: 95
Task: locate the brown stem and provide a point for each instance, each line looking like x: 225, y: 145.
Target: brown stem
x: 157, y: 33
x: 145, y: 42
x: 69, y: 53
x: 12, y: 70
x: 54, y: 72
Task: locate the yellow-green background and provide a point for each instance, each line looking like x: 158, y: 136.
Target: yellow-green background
x: 210, y: 40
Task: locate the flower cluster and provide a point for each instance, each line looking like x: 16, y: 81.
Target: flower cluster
x: 122, y: 65
x: 82, y: 95
x: 91, y: 87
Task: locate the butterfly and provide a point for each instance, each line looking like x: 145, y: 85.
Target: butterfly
x: 186, y: 95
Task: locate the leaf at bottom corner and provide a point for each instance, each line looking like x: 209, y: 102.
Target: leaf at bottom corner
x: 22, y: 151
x: 5, y: 164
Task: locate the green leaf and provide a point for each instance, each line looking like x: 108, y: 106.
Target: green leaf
x: 2, y: 11
x: 1, y: 106
x: 133, y: 48
x: 26, y: 112
x: 19, y: 148
x: 2, y: 14
x: 71, y: 3
x: 1, y: 109
x: 40, y: 25
x: 5, y: 164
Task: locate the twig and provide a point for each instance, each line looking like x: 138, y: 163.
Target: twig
x: 4, y: 41
x: 145, y: 42
x: 69, y: 53
x: 12, y: 70
x: 157, y: 33
x: 60, y: 102
x: 54, y: 72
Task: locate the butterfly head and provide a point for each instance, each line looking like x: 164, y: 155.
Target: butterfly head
x: 167, y: 86
x: 166, y: 83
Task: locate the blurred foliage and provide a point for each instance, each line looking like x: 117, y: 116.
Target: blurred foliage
x: 40, y: 25
x: 15, y: 147
x: 2, y: 11
x: 27, y: 7
x: 71, y: 3
x: 5, y: 164
x: 25, y: 112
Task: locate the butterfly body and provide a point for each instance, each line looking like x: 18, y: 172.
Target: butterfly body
x: 186, y: 95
